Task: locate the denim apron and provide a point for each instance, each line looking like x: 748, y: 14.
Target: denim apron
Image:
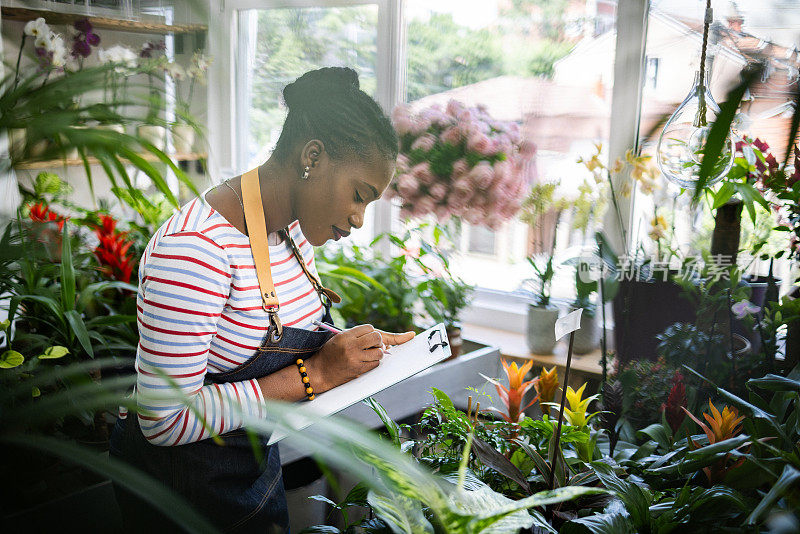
x: 227, y: 483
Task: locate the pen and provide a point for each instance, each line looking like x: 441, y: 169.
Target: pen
x: 331, y: 328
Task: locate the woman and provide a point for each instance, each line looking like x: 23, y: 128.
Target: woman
x: 202, y: 319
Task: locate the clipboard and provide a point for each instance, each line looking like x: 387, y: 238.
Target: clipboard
x: 426, y: 349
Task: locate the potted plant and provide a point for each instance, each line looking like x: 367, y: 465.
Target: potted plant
x: 587, y: 338
x: 542, y: 315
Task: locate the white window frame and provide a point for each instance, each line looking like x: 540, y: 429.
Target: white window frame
x: 506, y: 311
x: 225, y: 115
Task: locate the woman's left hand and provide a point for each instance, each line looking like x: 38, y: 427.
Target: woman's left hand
x: 389, y: 338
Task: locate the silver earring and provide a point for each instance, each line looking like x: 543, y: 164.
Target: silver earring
x: 305, y: 174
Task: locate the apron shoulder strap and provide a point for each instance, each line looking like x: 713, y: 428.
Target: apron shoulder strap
x: 257, y: 232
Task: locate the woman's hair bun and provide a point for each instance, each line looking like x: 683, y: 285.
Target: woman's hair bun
x: 320, y: 84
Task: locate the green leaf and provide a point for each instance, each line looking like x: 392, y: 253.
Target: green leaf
x: 658, y: 433
x: 637, y: 499
x: 132, y: 479
x: 35, y: 392
x: 326, y: 500
x: 723, y: 195
x: 79, y: 329
x: 599, y: 524
x: 790, y: 478
x: 391, y: 426
x: 775, y: 383
x: 54, y: 352
x: 486, y: 511
x: 402, y: 514
x: 11, y: 359
x: 4, y: 325
x: 490, y: 457
x: 67, y: 271
x: 718, y: 135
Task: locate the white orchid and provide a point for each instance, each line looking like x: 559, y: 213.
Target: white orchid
x: 37, y: 28
x: 175, y: 71
x: 43, y: 40
x: 119, y: 55
x: 199, y: 66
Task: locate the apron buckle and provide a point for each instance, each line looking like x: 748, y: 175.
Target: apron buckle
x: 275, y: 327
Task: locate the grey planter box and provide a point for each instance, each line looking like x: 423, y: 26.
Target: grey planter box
x: 412, y: 395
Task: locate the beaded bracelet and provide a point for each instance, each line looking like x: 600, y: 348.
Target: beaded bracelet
x: 304, y: 377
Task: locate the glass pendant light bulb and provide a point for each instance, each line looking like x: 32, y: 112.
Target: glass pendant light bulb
x: 683, y: 140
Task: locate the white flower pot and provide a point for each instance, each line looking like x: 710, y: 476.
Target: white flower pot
x: 541, y: 334
x: 587, y: 338
x: 182, y: 138
x: 155, y: 135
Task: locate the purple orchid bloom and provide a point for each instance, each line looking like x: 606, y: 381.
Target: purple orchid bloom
x: 743, y: 308
x: 83, y: 26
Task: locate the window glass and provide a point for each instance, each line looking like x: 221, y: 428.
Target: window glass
x: 277, y: 46
x: 741, y: 32
x: 546, y: 65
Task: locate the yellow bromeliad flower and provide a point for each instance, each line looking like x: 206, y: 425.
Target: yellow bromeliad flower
x: 721, y: 426
x: 546, y: 385
x: 576, y: 413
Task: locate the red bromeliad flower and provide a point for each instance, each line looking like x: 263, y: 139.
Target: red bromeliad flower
x: 676, y: 401
x: 40, y: 212
x: 112, y: 251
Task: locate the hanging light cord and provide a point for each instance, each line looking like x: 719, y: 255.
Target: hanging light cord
x: 700, y: 120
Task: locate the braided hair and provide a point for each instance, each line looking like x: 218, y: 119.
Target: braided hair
x: 327, y: 104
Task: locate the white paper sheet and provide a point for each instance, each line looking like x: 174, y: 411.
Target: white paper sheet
x: 404, y: 360
x: 568, y: 323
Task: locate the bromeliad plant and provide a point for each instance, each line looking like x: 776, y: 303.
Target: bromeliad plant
x: 512, y: 396
x: 721, y: 426
x: 546, y: 385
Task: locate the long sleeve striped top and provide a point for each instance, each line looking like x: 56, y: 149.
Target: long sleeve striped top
x: 199, y: 311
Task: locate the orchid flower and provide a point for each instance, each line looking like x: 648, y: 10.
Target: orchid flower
x: 743, y: 308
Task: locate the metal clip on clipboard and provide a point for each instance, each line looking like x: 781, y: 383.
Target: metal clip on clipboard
x: 441, y: 343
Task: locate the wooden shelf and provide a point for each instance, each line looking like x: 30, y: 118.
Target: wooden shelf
x: 514, y: 347
x: 25, y: 14
x: 58, y: 163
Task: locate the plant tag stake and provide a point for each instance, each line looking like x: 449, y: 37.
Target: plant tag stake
x: 565, y: 325
x: 568, y: 323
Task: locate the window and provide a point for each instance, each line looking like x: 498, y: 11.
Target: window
x: 755, y: 32
x: 540, y: 64
x: 278, y: 45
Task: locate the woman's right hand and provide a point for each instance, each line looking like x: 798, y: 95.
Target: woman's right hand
x: 345, y: 356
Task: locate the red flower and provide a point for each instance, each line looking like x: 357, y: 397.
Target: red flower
x: 761, y: 145
x: 40, y: 212
x: 112, y: 251
x: 673, y: 408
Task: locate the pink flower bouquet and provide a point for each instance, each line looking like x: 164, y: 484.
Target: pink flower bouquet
x: 459, y: 162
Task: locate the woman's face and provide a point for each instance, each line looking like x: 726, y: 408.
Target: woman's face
x: 332, y: 201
